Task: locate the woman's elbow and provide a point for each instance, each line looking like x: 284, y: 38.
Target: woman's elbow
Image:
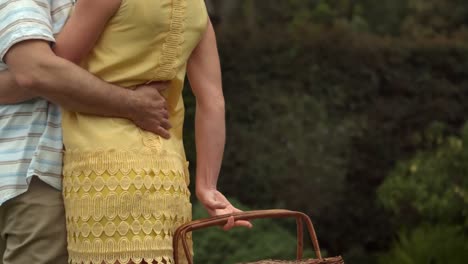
x: 211, y: 103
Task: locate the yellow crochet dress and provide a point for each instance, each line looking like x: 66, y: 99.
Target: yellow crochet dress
x: 125, y: 189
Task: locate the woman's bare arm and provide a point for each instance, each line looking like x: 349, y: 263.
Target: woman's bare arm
x: 204, y: 73
x: 83, y: 28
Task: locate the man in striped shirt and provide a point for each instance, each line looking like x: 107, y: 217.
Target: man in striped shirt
x: 32, y: 222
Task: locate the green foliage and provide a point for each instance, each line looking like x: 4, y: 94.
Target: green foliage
x: 429, y: 18
x: 319, y: 115
x: 317, y: 120
x: 433, y: 184
x: 268, y: 239
x: 384, y: 18
x: 429, y: 244
x: 409, y: 18
x: 323, y: 13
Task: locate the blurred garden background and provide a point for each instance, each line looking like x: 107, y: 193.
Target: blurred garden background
x: 352, y: 111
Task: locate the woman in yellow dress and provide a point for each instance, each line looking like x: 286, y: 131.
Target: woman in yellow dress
x: 125, y: 189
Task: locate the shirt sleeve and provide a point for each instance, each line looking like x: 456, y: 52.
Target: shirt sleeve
x: 24, y: 20
x: 60, y: 11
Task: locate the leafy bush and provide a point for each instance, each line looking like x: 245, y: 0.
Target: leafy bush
x: 317, y: 119
x: 433, y: 184
x: 429, y: 244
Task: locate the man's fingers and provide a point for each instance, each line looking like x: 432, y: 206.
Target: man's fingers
x: 166, y: 124
x: 165, y: 114
x: 163, y: 132
x: 160, y: 86
x: 159, y: 130
x: 163, y: 86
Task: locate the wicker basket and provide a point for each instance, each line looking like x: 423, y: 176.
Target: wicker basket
x: 301, y: 218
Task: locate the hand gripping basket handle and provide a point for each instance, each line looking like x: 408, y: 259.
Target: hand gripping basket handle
x: 301, y: 218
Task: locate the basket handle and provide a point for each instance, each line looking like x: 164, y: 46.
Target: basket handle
x: 181, y: 232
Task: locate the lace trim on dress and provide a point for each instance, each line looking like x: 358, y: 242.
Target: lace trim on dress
x: 124, y: 217
x: 124, y: 161
x: 169, y: 58
x: 109, y: 251
x: 171, y: 48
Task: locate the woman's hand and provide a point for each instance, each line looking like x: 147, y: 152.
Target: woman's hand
x: 204, y: 73
x: 217, y: 204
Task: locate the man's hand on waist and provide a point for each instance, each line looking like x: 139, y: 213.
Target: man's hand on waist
x: 149, y: 108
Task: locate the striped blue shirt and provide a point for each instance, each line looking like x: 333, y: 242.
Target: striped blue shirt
x: 30, y: 132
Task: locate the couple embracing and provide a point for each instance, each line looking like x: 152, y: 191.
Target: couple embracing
x: 92, y: 162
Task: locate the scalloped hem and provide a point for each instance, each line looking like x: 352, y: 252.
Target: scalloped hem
x: 112, y: 259
x: 161, y: 260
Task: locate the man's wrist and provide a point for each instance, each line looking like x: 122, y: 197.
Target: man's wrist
x: 129, y: 102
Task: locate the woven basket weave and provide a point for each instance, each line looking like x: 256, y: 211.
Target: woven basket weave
x: 301, y: 219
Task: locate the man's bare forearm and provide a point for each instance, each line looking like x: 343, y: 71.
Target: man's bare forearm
x: 10, y: 91
x: 36, y: 68
x: 75, y: 89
